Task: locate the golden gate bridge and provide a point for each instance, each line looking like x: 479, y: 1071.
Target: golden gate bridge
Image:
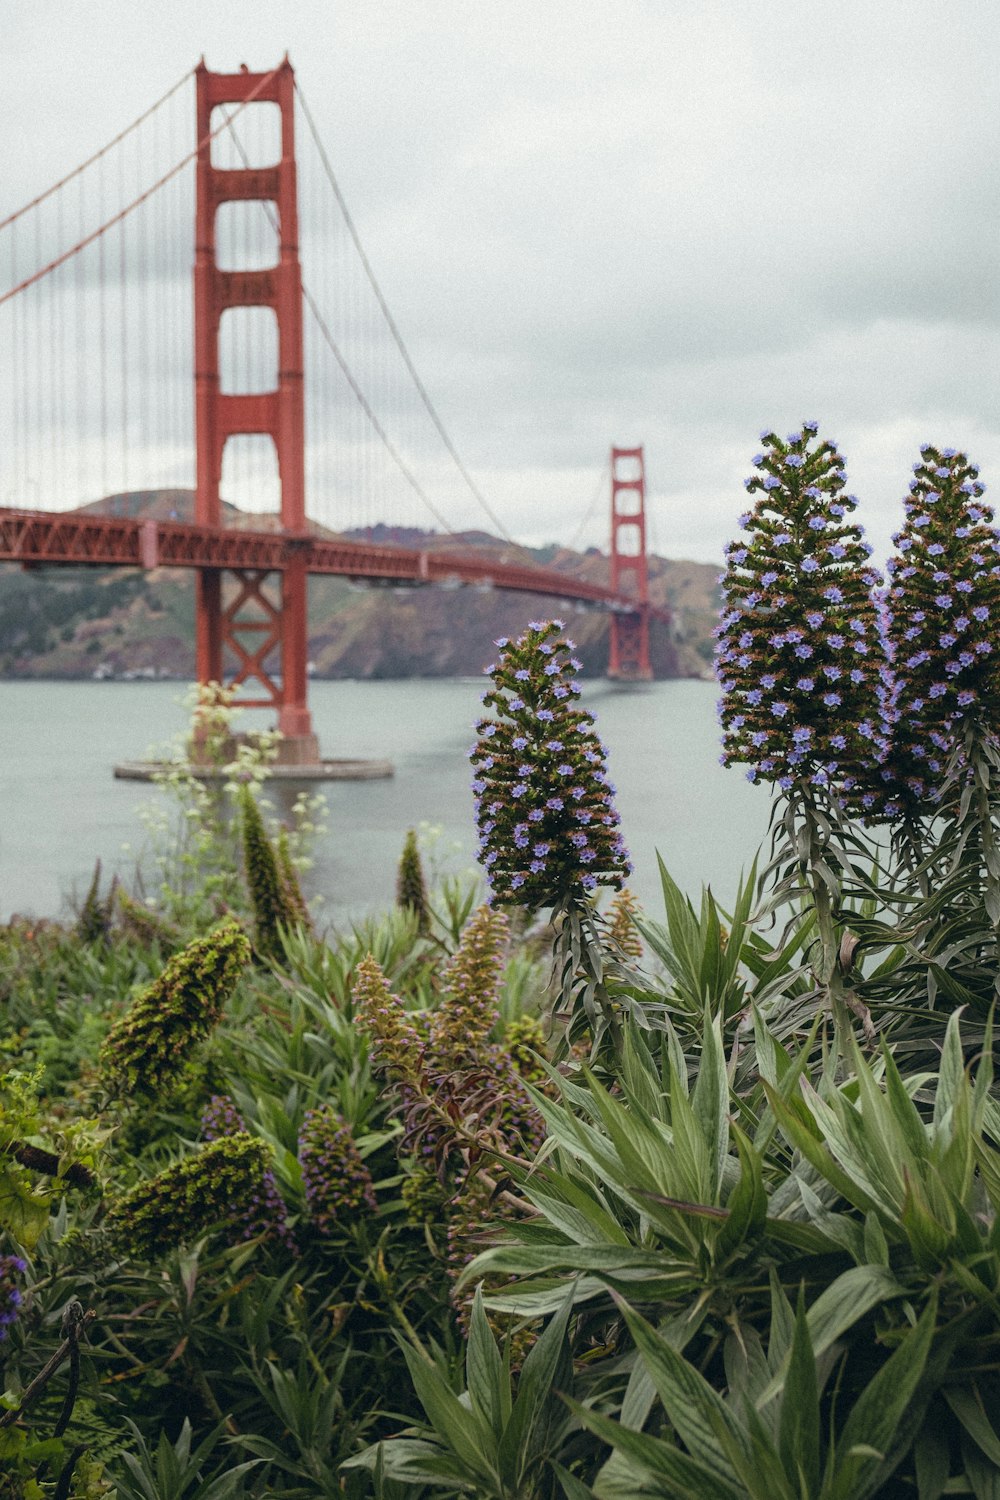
x: 100, y: 318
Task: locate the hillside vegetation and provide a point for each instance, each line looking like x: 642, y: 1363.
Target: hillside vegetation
x: 75, y: 622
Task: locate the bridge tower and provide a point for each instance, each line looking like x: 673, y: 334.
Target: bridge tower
x: 628, y: 653
x: 252, y: 624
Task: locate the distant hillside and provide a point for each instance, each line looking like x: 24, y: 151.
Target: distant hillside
x: 82, y: 622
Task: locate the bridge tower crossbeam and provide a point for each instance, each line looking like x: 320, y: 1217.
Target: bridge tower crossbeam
x: 628, y: 647
x: 221, y: 629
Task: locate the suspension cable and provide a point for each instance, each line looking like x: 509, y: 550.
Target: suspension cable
x: 18, y: 213
x: 591, y: 508
x: 96, y: 234
x: 363, y: 402
x: 345, y: 368
x: 393, y: 329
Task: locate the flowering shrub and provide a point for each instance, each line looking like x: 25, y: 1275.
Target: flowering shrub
x: 11, y: 1267
x: 411, y: 888
x: 524, y: 1042
x: 148, y: 1048
x: 271, y: 881
x: 265, y: 1212
x: 622, y: 930
x: 458, y: 1088
x: 547, y: 821
x: 462, y: 1095
x: 943, y: 607
x: 338, y: 1185
x: 462, y: 1023
x: 800, y: 657
x: 381, y: 1017
x: 217, y: 1184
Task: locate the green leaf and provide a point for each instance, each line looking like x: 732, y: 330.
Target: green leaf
x: 850, y: 1297
x: 679, y: 1476
x: 710, y: 1101
x: 23, y: 1213
x: 875, y: 1248
x: 983, y: 1476
x: 819, y: 1155
x: 410, y: 1461
x: 465, y: 1432
x: 904, y: 1111
x: 548, y: 1367
x: 640, y: 1393
x: 747, y: 1204
x: 642, y: 1148
x: 572, y: 1488
x: 968, y: 1407
x: 878, y: 1411
x: 694, y: 1408
x: 799, y: 1425
x: 932, y: 1462
x: 952, y: 1079
x: 576, y: 1210
x: 486, y: 1376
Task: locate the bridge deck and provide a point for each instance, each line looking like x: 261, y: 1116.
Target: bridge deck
x: 44, y: 539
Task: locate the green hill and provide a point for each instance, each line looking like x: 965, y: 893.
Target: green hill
x: 115, y: 622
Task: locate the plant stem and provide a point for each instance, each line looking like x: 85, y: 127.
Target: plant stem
x: 983, y: 777
x: 585, y: 1003
x: 827, y: 972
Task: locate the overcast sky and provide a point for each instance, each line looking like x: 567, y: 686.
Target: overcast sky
x: 663, y: 223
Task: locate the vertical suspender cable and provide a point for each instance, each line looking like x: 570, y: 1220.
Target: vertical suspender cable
x: 142, y: 341
x: 54, y: 486
x: 102, y: 336
x: 82, y: 435
x: 17, y: 468
x: 123, y: 329
x: 36, y: 464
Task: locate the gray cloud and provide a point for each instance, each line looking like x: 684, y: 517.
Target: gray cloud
x: 670, y: 223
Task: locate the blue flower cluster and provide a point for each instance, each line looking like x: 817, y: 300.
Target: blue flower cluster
x: 264, y: 1212
x: 337, y: 1184
x: 11, y: 1298
x: 801, y: 654
x: 544, y: 805
x: 943, y: 611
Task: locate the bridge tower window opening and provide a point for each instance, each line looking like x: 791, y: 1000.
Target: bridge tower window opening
x: 248, y: 351
x: 253, y: 137
x: 250, y: 479
x: 247, y: 236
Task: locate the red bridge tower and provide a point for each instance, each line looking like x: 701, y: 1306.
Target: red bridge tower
x: 628, y: 653
x: 250, y: 624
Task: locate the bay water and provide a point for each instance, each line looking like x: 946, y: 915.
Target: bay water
x: 61, y: 809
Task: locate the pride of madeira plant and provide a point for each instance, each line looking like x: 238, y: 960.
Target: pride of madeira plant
x: 806, y: 688
x: 943, y: 605
x: 272, y: 882
x: 549, y: 834
x: 147, y: 1050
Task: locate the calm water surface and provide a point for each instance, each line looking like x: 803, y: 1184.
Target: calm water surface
x: 60, y: 808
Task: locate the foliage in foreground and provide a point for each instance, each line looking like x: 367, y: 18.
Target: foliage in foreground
x: 396, y: 1213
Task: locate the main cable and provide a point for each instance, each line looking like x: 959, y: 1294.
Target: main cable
x: 96, y: 234
x: 18, y: 213
x: 345, y: 368
x: 393, y: 329
x: 591, y: 508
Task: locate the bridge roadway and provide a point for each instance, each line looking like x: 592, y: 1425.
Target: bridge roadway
x: 46, y: 539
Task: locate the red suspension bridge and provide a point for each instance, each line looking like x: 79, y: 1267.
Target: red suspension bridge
x: 99, y: 328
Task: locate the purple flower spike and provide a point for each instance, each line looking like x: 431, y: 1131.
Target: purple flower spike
x: 779, y: 653
x: 545, y: 770
x: 947, y: 589
x: 12, y: 1267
